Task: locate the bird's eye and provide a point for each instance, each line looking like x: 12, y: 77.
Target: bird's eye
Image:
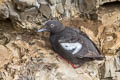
x: 52, y: 25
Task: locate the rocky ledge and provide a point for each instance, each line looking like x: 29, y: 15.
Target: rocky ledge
x: 27, y: 55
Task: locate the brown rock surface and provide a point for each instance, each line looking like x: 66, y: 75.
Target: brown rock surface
x: 4, y: 56
x: 27, y: 55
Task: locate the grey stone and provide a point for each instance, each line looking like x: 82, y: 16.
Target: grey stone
x: 111, y: 68
x: 67, y: 13
x: 12, y: 12
x: 52, y: 2
x: 23, y: 4
x: 86, y: 6
x: 15, y: 50
x: 117, y: 61
x: 31, y: 15
x: 68, y: 3
x: 3, y: 39
x: 101, y: 2
x: 53, y: 10
x: 4, y: 12
x: 45, y: 10
x: 63, y: 2
x: 58, y: 1
x: 60, y: 8
x: 43, y: 1
x: 67, y: 8
x: 50, y: 7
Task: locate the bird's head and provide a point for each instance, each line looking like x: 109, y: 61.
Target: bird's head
x: 52, y: 26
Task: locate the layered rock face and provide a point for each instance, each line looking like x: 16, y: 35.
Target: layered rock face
x: 28, y: 14
x: 27, y: 55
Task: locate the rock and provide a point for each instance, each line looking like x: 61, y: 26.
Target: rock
x: 42, y: 1
x: 29, y: 15
x: 54, y: 2
x: 68, y: 4
x: 23, y: 4
x: 4, y: 38
x: 4, y: 12
x: 56, y: 8
x: 14, y: 16
x: 60, y: 8
x: 109, y: 32
x: 53, y: 10
x: 28, y: 56
x: 117, y: 59
x: 5, y: 55
x: 101, y: 2
x: 67, y: 8
x: 86, y: 6
x: 15, y: 50
x: 45, y: 10
x: 18, y: 21
x: 5, y: 75
x: 111, y: 68
x: 109, y: 40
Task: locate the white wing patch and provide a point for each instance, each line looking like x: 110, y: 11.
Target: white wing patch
x: 76, y: 47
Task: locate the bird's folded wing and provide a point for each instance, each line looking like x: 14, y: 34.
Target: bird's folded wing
x: 73, y: 47
x: 89, y: 49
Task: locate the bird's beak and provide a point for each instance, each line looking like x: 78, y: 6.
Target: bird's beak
x: 42, y: 30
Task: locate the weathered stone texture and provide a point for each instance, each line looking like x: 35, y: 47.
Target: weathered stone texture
x: 28, y: 55
x: 47, y: 9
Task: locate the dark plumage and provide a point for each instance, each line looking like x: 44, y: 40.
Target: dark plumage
x: 70, y: 43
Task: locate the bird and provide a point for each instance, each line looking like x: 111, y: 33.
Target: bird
x: 71, y: 44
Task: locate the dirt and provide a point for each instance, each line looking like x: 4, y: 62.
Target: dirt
x: 30, y: 52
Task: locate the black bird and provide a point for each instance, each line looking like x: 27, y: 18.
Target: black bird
x: 71, y: 44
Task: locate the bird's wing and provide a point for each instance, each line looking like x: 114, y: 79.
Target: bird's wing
x: 79, y: 45
x: 70, y: 41
x: 89, y: 49
x: 73, y: 47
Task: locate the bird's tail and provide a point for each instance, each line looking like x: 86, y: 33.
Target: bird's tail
x: 100, y: 57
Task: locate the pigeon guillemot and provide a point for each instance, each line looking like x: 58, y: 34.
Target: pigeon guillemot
x: 71, y: 44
